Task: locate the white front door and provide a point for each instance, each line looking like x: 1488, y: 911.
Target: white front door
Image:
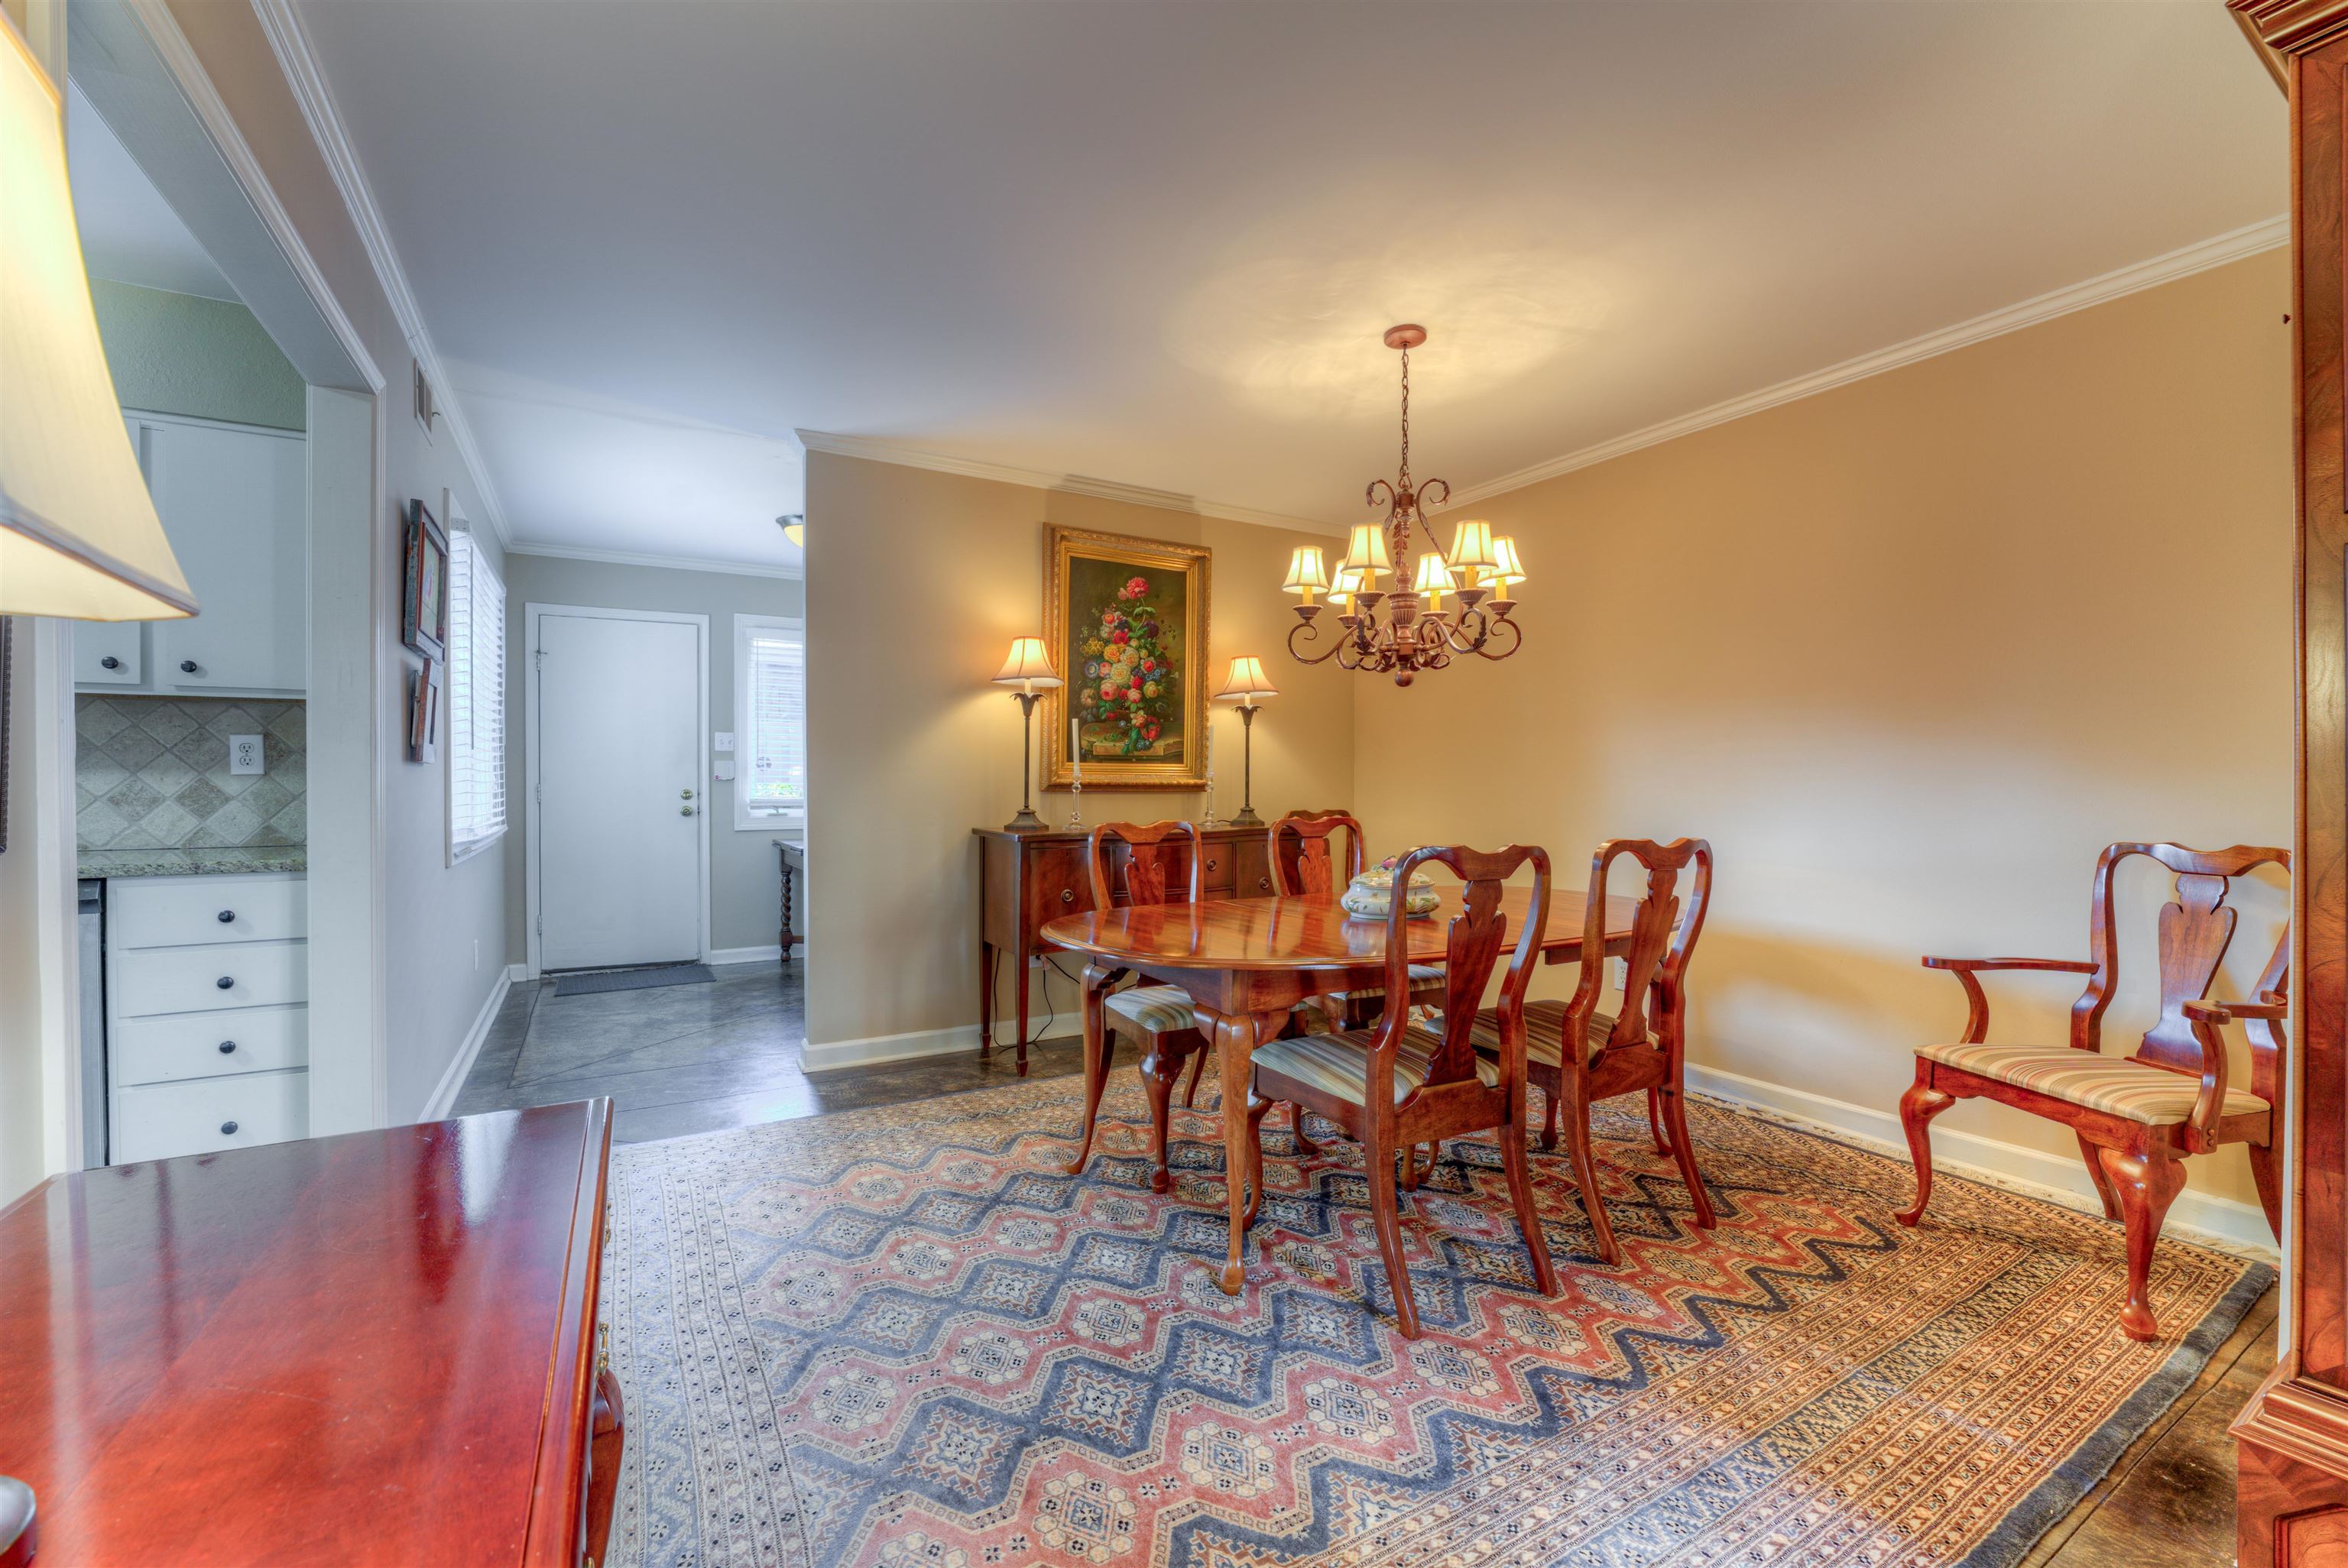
x: 619, y: 814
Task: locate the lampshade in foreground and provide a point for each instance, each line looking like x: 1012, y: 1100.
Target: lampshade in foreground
x: 79, y: 537
x: 1247, y: 682
x: 1027, y: 665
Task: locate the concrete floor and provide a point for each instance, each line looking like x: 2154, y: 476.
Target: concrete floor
x: 697, y: 1059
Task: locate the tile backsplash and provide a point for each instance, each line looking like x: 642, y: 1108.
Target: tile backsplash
x: 151, y: 773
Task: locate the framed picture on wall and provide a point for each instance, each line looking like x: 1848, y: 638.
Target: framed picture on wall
x: 424, y: 584
x: 1124, y: 619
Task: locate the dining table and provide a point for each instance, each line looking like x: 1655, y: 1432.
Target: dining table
x: 1247, y: 962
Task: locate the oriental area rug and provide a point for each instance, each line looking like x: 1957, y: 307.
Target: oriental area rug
x: 904, y: 1336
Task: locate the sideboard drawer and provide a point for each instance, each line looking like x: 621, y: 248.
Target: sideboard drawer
x: 1219, y: 867
x: 1056, y: 884
x: 204, y: 980
x: 163, y: 1121
x: 210, y: 1045
x: 182, y: 911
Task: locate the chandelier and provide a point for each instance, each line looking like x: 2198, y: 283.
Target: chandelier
x: 1416, y: 631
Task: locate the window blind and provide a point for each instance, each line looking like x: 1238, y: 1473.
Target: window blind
x: 477, y: 699
x: 775, y: 677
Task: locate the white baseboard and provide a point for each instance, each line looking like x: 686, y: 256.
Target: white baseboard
x: 2223, y: 1223
x: 879, y: 1048
x: 769, y: 954
x: 452, y: 1083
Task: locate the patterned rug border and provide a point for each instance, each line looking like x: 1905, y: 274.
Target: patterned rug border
x: 2014, y: 1536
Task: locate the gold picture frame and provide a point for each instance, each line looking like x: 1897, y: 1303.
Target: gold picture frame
x: 1129, y: 613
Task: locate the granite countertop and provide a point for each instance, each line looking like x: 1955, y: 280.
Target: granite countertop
x: 194, y: 862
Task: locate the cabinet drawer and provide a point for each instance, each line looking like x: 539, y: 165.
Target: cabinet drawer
x: 190, y: 979
x: 184, y: 911
x: 162, y: 1121
x: 169, y: 1050
x: 1220, y: 855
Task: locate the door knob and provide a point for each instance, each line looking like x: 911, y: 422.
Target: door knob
x: 109, y: 662
x: 684, y: 811
x: 685, y: 795
x: 187, y: 666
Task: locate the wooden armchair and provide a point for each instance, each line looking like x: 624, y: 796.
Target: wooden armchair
x: 1157, y: 1018
x: 1644, y: 1047
x: 2136, y: 1117
x: 1304, y: 865
x: 1396, y: 1084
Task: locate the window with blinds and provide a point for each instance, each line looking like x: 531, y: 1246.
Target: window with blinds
x: 477, y: 700
x: 770, y: 786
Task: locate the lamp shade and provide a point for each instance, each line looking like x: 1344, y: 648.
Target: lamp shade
x: 1471, y: 549
x: 1433, y: 577
x: 1026, y: 666
x: 1366, y: 555
x: 79, y: 537
x: 1306, y: 574
x: 1247, y: 682
x: 1506, y: 568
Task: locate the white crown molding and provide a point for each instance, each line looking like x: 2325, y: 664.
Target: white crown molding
x: 878, y: 451
x: 179, y: 57
x: 307, y: 79
x: 2200, y: 257
x: 667, y: 563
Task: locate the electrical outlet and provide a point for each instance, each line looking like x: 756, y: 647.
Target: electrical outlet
x: 1621, y: 974
x: 245, y: 753
x: 724, y: 741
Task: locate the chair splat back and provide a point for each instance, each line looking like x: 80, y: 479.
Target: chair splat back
x: 1152, y: 853
x: 1472, y: 945
x: 1663, y: 936
x: 2194, y: 932
x: 1302, y: 852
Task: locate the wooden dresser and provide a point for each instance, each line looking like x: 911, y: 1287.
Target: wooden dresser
x: 1027, y: 879
x: 374, y: 1348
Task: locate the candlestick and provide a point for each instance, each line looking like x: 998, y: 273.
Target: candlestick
x: 1207, y: 817
x: 1077, y: 778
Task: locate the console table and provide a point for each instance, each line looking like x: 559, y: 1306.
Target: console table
x: 1028, y: 878
x: 793, y: 857
x: 379, y: 1347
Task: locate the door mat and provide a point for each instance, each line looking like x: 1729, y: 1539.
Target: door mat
x: 634, y: 979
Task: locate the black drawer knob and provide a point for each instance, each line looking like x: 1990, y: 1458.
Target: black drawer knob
x: 227, y: 1127
x: 225, y: 983
x: 228, y: 917
x: 109, y: 662
x: 227, y: 1046
x: 187, y: 666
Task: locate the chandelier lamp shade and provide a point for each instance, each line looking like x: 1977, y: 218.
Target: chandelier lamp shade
x: 1392, y: 620
x: 79, y: 537
x: 1247, y: 686
x: 1029, y: 668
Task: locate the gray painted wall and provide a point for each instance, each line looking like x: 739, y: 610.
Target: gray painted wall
x: 745, y: 885
x: 207, y: 359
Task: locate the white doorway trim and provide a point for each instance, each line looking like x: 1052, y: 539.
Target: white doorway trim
x: 531, y: 617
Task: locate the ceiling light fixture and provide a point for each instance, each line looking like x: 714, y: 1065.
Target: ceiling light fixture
x: 794, y: 526
x: 1416, y: 633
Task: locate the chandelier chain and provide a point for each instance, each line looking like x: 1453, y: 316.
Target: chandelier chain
x: 1405, y: 419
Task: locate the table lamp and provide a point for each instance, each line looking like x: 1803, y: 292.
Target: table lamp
x: 1029, y: 668
x: 1248, y: 686
x: 78, y: 537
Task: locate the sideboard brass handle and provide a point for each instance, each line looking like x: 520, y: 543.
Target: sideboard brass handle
x: 1212, y: 864
x: 1067, y: 895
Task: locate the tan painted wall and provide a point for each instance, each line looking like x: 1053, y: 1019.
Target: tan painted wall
x: 1909, y: 653
x: 918, y: 582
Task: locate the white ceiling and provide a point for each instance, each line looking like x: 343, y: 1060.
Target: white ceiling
x: 1157, y: 243
x: 128, y: 233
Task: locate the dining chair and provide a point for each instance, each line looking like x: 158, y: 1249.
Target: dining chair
x: 1399, y: 1082
x: 1641, y: 1047
x: 1304, y: 865
x: 2136, y: 1117
x: 1157, y: 1018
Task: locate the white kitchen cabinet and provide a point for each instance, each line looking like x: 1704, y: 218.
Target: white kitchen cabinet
x: 233, y: 499
x: 207, y: 1016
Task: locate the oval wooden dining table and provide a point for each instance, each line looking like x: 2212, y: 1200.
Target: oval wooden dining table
x: 1246, y: 962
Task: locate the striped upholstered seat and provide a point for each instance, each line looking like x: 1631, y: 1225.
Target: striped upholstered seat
x: 1161, y: 1010
x: 1544, y: 1032
x: 2111, y: 1084
x: 1425, y: 989
x: 1339, y: 1064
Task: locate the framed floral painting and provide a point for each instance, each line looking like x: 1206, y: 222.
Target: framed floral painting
x: 1125, y: 621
